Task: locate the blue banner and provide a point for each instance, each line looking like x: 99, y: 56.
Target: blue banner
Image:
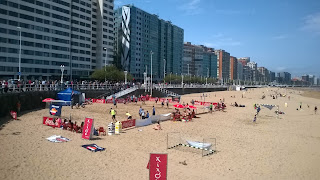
x: 55, y: 110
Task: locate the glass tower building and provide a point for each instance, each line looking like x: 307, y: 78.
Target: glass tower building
x: 72, y: 33
x: 137, y: 34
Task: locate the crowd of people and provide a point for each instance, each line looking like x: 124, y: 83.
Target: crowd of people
x: 68, y: 125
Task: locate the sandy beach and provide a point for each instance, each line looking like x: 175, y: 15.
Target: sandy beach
x: 272, y: 148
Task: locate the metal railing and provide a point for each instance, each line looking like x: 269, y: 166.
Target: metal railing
x: 56, y: 87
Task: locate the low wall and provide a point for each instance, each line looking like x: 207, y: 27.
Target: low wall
x: 182, y: 91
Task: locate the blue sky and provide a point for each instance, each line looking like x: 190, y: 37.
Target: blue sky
x: 281, y: 35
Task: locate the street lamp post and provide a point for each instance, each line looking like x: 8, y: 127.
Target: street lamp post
x: 105, y: 65
x: 125, y: 77
x: 62, y: 69
x: 207, y: 72
x: 170, y: 77
x: 164, y: 69
x: 182, y: 80
x: 151, y: 53
x: 19, y: 53
x: 188, y: 69
x: 145, y: 81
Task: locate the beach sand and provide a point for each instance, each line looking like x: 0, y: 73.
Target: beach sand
x: 271, y: 148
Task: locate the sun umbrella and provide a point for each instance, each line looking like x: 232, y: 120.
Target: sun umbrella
x: 48, y: 100
x: 191, y: 107
x: 178, y: 106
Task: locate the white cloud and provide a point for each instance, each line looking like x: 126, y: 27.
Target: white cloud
x: 312, y: 23
x: 191, y: 7
x: 220, y: 40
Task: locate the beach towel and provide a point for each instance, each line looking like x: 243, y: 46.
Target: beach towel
x: 57, y: 139
x: 268, y: 106
x: 93, y: 147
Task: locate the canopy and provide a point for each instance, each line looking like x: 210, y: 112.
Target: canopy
x: 47, y: 100
x: 66, y: 94
x: 178, y: 106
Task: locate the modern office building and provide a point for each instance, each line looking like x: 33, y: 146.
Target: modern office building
x: 223, y: 64
x: 233, y: 68
x: 54, y: 33
x: 199, y: 60
x: 137, y: 34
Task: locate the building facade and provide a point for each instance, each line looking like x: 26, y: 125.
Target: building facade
x: 264, y: 75
x: 254, y: 70
x: 244, y: 60
x: 240, y: 71
x: 284, y: 78
x: 233, y: 68
x: 140, y: 36
x: 55, y: 33
x: 199, y: 61
x: 223, y: 64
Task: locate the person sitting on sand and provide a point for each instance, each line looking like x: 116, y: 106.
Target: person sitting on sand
x: 75, y: 127
x: 193, y: 115
x: 315, y: 109
x: 236, y: 104
x: 147, y: 116
x: 158, y: 126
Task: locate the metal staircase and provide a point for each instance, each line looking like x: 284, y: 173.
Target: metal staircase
x: 165, y: 91
x: 123, y: 93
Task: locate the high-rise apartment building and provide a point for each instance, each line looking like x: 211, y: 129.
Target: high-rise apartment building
x: 264, y: 75
x: 54, y: 33
x: 137, y: 34
x: 254, y: 69
x: 199, y: 61
x: 233, y: 68
x: 272, y: 76
x: 240, y: 71
x: 244, y: 60
x: 223, y: 64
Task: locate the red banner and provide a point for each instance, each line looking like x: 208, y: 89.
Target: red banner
x: 158, y: 166
x: 49, y: 122
x: 128, y: 124
x: 13, y: 114
x: 87, y: 129
x: 120, y: 100
x: 109, y: 101
x: 101, y: 101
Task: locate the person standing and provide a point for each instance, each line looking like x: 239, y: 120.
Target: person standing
x: 211, y: 107
x: 315, y: 109
x: 300, y: 105
x: 153, y: 111
x: 167, y: 102
x: 113, y: 114
x: 140, y: 112
x: 115, y: 102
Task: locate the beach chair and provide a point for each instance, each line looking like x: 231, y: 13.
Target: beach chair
x: 102, y: 130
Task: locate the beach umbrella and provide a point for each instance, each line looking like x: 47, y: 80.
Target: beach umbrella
x: 48, y: 100
x: 191, y: 107
x: 178, y: 106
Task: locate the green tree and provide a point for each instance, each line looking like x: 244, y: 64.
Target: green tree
x: 110, y: 73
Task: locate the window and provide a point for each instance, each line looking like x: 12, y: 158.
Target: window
x: 14, y: 14
x: 3, y: 59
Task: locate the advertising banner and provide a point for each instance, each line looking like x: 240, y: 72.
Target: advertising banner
x: 55, y: 110
x: 109, y: 101
x: 87, y: 129
x: 128, y: 123
x: 100, y: 101
x: 120, y: 100
x: 158, y: 165
x: 49, y: 122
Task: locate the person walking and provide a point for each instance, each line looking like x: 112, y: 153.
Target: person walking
x: 167, y: 102
x: 113, y: 114
x: 140, y: 112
